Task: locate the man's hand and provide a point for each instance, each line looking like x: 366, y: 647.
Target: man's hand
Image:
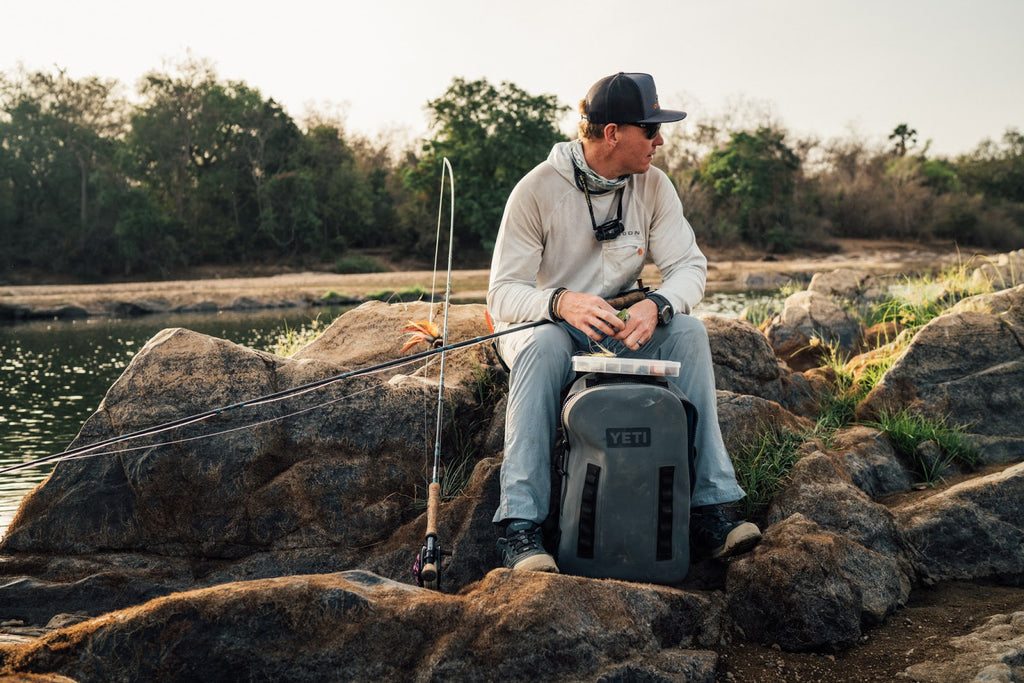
x: 597, y: 319
x: 643, y: 318
x: 590, y: 314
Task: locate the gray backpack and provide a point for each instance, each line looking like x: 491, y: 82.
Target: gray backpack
x: 624, y: 474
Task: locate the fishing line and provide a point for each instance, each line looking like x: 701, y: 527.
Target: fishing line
x: 447, y: 167
x: 286, y: 393
x: 239, y: 428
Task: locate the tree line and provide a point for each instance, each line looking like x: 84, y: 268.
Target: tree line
x: 195, y: 170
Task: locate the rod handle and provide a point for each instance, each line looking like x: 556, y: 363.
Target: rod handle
x: 433, y: 503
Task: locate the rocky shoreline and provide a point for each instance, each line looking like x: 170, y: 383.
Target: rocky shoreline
x: 282, y: 550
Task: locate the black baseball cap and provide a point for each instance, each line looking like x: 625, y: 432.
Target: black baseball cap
x: 627, y: 98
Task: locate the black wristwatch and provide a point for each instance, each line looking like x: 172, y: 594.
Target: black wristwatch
x: 665, y: 311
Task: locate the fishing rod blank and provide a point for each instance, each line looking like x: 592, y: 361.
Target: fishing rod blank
x: 285, y: 393
x: 428, y: 562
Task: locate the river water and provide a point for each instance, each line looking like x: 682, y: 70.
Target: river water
x: 53, y: 374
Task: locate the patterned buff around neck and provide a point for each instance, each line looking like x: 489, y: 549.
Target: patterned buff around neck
x: 594, y: 180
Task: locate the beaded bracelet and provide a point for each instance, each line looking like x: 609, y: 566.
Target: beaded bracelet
x: 556, y: 298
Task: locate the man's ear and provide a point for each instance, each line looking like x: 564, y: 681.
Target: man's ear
x: 611, y: 133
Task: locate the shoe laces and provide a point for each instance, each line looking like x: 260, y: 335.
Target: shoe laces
x: 522, y: 540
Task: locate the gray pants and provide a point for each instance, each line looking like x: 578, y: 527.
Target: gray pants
x: 541, y: 367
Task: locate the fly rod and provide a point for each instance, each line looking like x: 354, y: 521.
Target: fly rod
x: 285, y: 393
x: 428, y: 562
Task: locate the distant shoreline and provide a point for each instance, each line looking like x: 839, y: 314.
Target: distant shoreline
x: 311, y: 289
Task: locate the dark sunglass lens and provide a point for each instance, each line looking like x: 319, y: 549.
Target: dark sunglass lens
x: 652, y: 130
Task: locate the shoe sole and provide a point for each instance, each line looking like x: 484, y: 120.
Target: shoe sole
x: 541, y: 562
x: 740, y: 540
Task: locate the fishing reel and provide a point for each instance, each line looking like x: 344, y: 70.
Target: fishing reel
x: 426, y: 569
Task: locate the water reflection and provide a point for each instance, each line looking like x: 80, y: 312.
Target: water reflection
x: 53, y: 375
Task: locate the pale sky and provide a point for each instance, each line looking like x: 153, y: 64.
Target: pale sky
x: 954, y: 71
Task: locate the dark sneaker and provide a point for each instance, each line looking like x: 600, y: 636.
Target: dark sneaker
x: 523, y: 548
x: 712, y: 534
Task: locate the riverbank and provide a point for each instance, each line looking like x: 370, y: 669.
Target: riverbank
x: 234, y: 289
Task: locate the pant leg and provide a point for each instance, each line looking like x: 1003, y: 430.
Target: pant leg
x: 540, y: 362
x: 685, y: 339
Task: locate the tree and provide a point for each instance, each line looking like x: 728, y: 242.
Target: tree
x: 905, y: 137
x: 753, y: 179
x: 222, y: 162
x: 59, y: 140
x: 492, y: 136
x: 997, y: 171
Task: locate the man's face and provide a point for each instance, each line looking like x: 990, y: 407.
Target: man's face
x: 635, y: 151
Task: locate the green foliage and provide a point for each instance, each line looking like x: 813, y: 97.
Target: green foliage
x: 753, y: 179
x: 491, y: 135
x: 996, y: 171
x: 415, y: 293
x: 916, y: 301
x: 359, y: 263
x: 908, y: 430
x: 763, y: 466
x: 291, y: 340
x: 199, y: 170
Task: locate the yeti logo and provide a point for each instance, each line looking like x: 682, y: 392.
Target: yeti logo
x: 628, y: 437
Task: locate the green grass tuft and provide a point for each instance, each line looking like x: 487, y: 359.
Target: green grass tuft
x: 906, y: 431
x: 763, y: 466
x: 291, y: 340
x: 414, y: 293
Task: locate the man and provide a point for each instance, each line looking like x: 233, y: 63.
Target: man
x: 577, y: 230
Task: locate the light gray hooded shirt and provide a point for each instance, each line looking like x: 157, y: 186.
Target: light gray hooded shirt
x: 546, y: 241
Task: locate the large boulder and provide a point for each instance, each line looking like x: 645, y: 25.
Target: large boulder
x: 855, y: 286
x: 332, y: 468
x: 871, y: 462
x: 810, y: 324
x: 820, y: 489
x: 971, y: 531
x: 744, y: 419
x: 745, y: 364
x: 965, y: 367
x: 357, y: 626
x: 806, y: 588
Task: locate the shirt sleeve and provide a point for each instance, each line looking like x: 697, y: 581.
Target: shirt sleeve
x: 513, y: 294
x: 673, y: 248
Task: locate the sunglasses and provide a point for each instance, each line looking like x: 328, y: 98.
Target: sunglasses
x: 650, y: 129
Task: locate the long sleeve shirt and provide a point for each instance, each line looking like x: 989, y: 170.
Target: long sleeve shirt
x: 546, y: 241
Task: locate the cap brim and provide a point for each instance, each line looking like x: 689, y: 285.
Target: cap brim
x: 665, y: 116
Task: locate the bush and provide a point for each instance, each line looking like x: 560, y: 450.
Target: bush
x: 359, y: 263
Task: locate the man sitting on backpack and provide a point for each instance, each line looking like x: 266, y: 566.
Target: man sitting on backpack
x: 576, y: 230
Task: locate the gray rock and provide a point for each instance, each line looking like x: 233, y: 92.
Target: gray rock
x: 816, y: 315
x: 972, y: 530
x: 804, y: 588
x: 966, y: 367
x: 745, y: 418
x: 1000, y: 271
x: 849, y: 284
x: 745, y: 364
x: 870, y: 460
x: 358, y: 626
x: 993, y: 653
